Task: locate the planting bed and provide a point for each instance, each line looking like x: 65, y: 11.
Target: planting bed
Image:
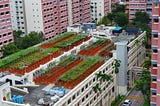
x: 78, y: 73
x: 95, y: 47
x: 106, y: 52
x: 31, y: 58
x: 54, y: 71
x: 58, y: 39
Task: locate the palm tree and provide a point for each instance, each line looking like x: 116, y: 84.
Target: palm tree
x: 101, y: 77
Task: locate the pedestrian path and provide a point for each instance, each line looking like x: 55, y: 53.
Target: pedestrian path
x: 135, y: 98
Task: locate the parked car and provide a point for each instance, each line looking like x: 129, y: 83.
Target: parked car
x: 127, y: 102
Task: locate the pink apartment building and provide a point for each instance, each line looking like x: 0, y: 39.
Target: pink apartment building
x: 79, y: 11
x: 155, y: 67
x: 6, y: 34
x: 136, y: 5
x: 48, y: 16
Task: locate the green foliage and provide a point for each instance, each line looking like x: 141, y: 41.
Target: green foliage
x: 121, y: 19
x: 104, y: 21
x: 141, y: 17
x: 143, y: 84
x: 17, y: 34
x: 147, y: 64
x: 103, y: 77
x: 119, y: 8
x: 96, y: 88
x: 118, y: 100
x: 31, y: 39
x: 80, y: 68
x: 12, y: 58
x: 117, y: 65
x: 9, y: 49
x: 111, y: 16
x: 70, y: 41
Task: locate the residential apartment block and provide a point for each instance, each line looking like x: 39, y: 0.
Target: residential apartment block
x: 155, y: 74
x: 49, y: 16
x: 18, y: 15
x: 6, y: 34
x: 136, y: 5
x: 79, y: 11
x: 100, y: 8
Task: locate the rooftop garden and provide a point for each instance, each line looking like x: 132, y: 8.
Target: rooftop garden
x: 80, y: 69
x: 107, y: 50
x: 78, y: 73
x: 70, y: 41
x: 57, y: 39
x: 54, y: 71
x: 95, y: 47
x: 31, y: 58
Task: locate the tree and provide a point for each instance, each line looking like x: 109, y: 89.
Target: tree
x: 121, y: 19
x: 119, y: 8
x: 117, y: 65
x: 9, y: 49
x: 101, y: 77
x: 105, y: 20
x: 141, y: 17
x: 147, y: 64
x: 110, y: 16
x: 17, y: 34
x: 143, y: 84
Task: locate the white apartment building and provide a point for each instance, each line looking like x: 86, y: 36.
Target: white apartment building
x: 18, y: 15
x: 99, y: 8
x: 83, y: 94
x: 131, y: 54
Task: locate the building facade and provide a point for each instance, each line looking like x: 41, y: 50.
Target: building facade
x: 83, y: 94
x: 155, y: 82
x: 18, y: 15
x: 136, y: 5
x: 79, y: 11
x: 99, y: 8
x: 47, y: 16
x: 6, y: 34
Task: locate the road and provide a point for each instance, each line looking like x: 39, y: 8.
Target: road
x: 136, y: 97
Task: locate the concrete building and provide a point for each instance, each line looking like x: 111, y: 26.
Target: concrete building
x: 49, y: 16
x: 82, y: 94
x: 130, y: 54
x: 79, y: 11
x: 99, y: 8
x: 6, y: 34
x: 18, y: 15
x: 136, y: 5
x: 155, y: 74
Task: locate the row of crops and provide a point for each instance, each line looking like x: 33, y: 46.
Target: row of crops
x: 40, y: 54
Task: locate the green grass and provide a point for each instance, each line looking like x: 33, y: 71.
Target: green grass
x: 9, y: 59
x: 30, y: 57
x: 80, y: 68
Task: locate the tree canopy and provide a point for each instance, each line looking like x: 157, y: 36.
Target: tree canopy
x: 121, y: 19
x: 9, y: 49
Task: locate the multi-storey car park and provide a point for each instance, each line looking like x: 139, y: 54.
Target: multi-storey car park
x: 71, y: 61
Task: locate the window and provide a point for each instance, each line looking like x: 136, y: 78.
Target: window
x: 154, y: 92
x: 155, y: 49
x: 155, y: 19
x: 154, y: 64
x: 154, y: 78
x: 156, y: 3
x: 155, y: 34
